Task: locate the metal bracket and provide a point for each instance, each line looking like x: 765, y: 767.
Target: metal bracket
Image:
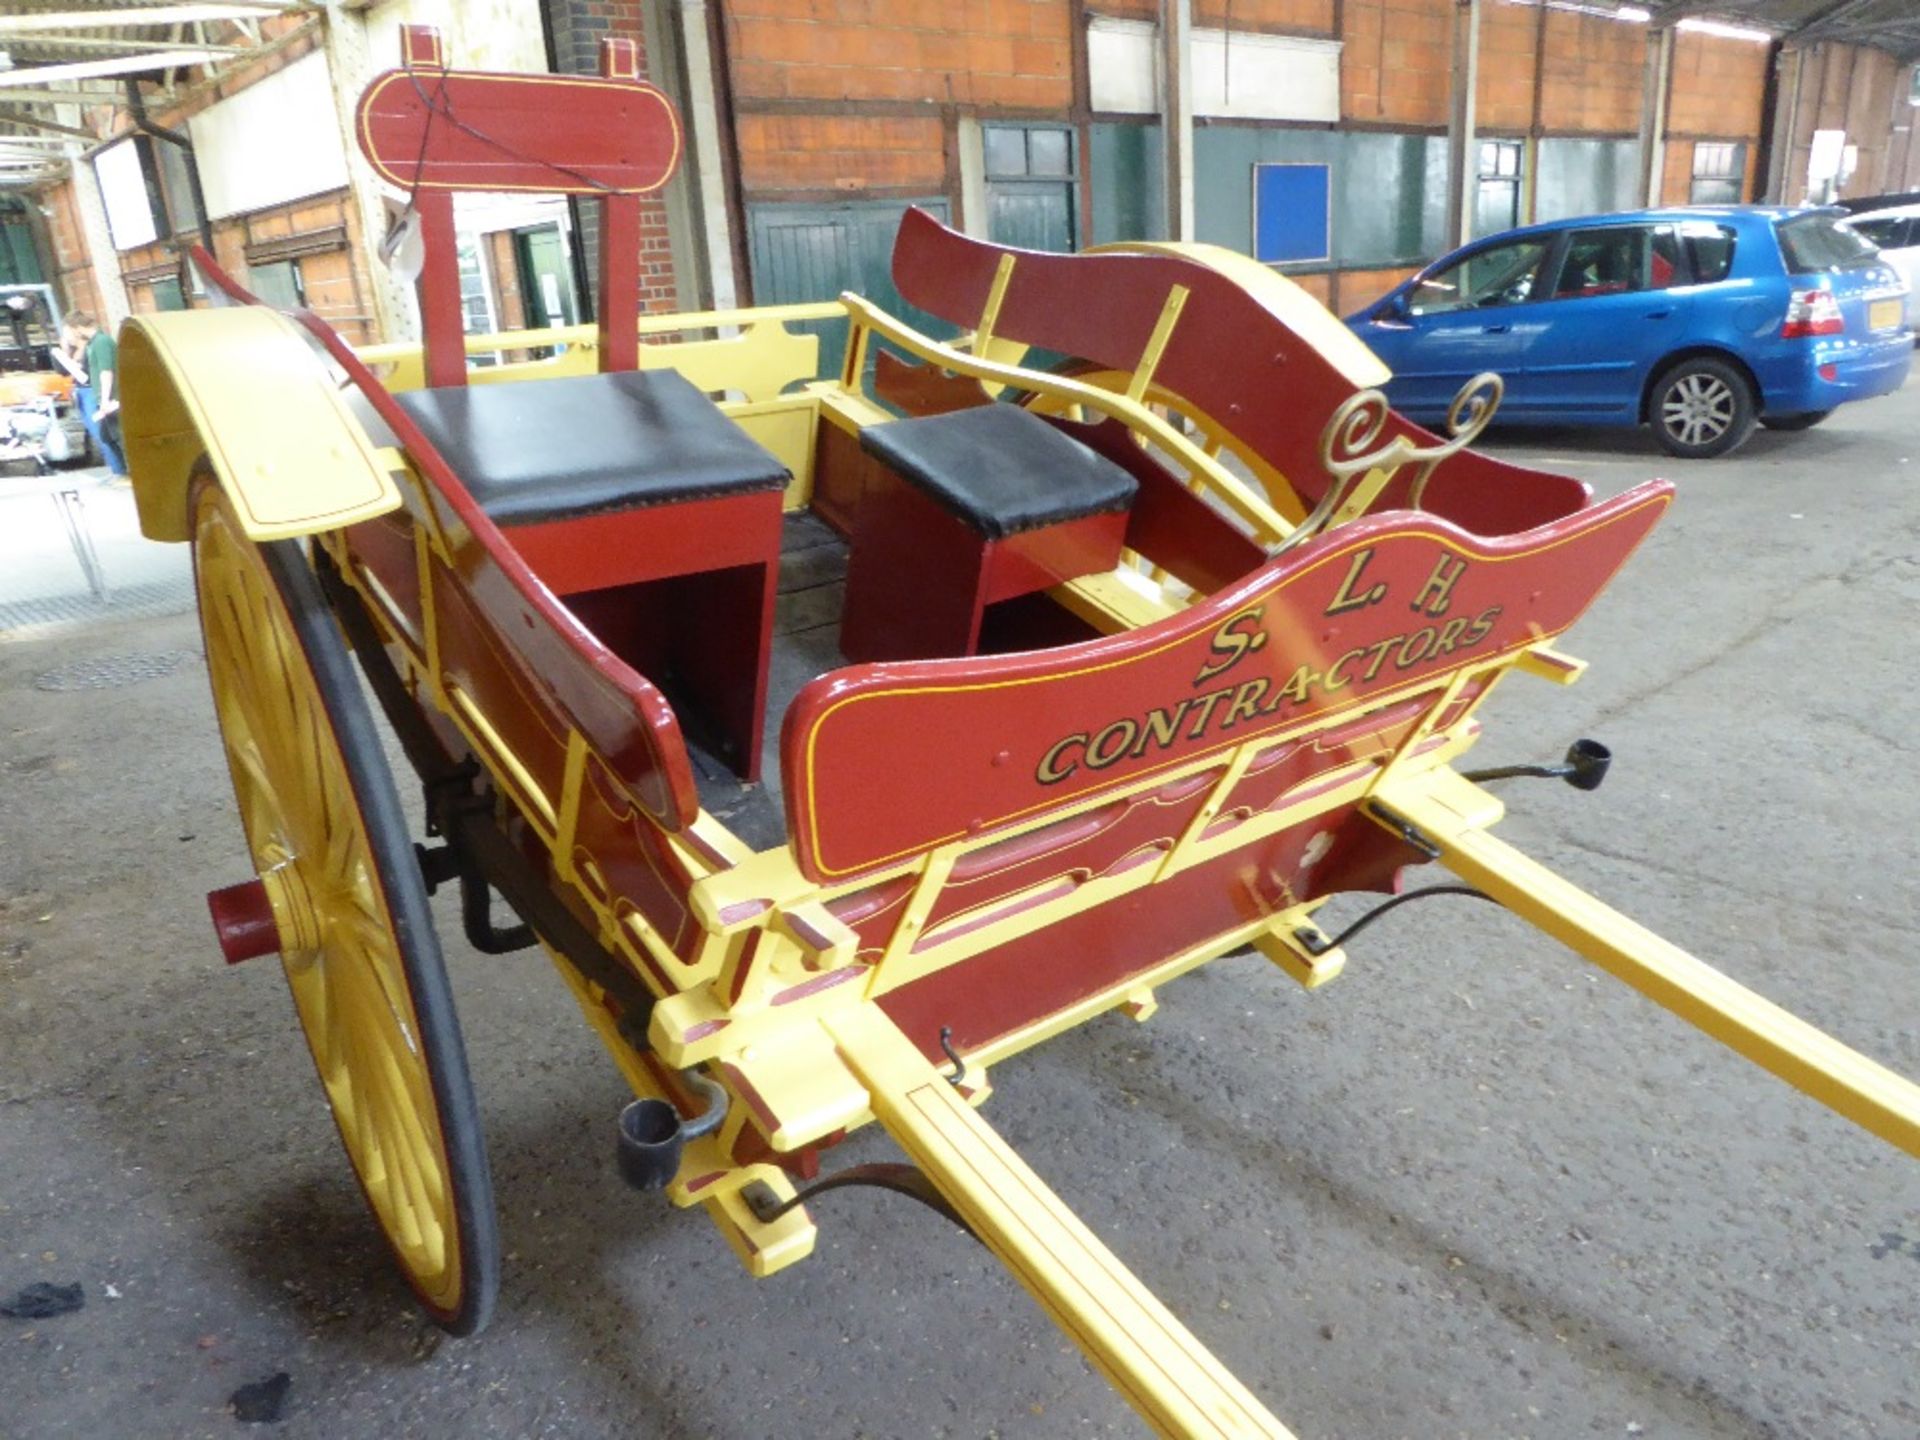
x: 1405, y: 830
x: 900, y: 1179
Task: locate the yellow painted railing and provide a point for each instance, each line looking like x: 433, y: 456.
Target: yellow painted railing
x: 404, y: 366
x: 1266, y: 523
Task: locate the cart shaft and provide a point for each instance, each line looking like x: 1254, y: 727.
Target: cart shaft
x: 1167, y: 1375
x: 1453, y: 814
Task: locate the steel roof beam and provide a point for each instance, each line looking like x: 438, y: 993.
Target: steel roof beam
x: 95, y: 43
x: 54, y: 127
x: 32, y: 23
x: 116, y: 65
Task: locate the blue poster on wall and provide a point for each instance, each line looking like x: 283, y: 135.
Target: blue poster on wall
x: 1292, y: 210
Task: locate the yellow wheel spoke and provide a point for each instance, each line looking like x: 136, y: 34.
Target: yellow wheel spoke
x: 352, y: 990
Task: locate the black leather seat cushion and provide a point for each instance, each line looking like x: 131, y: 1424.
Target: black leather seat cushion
x: 537, y: 450
x: 1001, y: 469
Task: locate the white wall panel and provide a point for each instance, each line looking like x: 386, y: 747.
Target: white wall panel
x: 1121, y: 73
x: 124, y: 189
x: 1239, y: 75
x: 1265, y: 77
x: 275, y: 141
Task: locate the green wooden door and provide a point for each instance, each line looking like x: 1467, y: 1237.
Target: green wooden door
x: 19, y: 264
x: 546, y: 283
x: 1030, y: 176
x: 815, y: 252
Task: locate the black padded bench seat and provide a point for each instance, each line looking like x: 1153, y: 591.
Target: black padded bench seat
x: 1001, y: 469
x: 541, y: 450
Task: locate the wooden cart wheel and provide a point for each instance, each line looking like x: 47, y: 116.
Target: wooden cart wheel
x: 329, y: 840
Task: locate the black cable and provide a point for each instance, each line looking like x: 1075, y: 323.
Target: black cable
x: 443, y: 107
x: 1374, y: 914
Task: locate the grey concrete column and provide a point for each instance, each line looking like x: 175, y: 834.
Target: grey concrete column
x: 714, y: 219
x: 1176, y: 112
x: 350, y: 65
x: 1462, y: 164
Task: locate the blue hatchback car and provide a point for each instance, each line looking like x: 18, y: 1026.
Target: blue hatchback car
x: 1697, y: 321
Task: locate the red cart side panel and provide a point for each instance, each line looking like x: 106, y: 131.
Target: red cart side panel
x: 1229, y: 355
x: 432, y: 129
x: 624, y: 717
x: 881, y: 762
x: 1036, y: 975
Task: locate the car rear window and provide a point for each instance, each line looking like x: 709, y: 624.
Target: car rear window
x: 1811, y: 243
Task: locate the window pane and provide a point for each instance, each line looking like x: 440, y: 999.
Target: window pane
x: 1006, y: 151
x: 167, y: 296
x: 1498, y: 275
x: 1049, y: 153
x: 1817, y: 242
x: 1714, y: 192
x: 176, y: 187
x: 278, y: 284
x: 1710, y: 248
x: 1614, y: 261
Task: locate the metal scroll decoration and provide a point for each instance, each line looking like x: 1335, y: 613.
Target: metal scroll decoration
x: 1360, y: 471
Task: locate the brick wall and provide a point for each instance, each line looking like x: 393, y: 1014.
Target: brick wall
x: 1310, y: 17
x: 1509, y: 36
x: 1274, y: 17
x: 318, y: 235
x: 1355, y: 289
x: 1006, y: 54
x: 784, y: 152
x: 1716, y: 87
x: 1396, y: 63
x: 578, y: 28
x: 1595, y: 74
x: 1592, y: 71
x: 72, y: 275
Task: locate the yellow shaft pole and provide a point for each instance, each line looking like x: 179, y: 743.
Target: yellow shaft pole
x: 1155, y: 1363
x: 1809, y: 1059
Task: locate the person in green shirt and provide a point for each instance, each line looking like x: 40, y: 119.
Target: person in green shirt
x: 90, y: 356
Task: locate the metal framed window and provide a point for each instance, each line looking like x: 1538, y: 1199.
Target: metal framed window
x: 1718, y: 168
x: 1496, y: 201
x: 167, y: 293
x: 1032, y: 183
x: 278, y: 284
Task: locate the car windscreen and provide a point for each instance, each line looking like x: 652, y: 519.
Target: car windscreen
x: 1811, y: 243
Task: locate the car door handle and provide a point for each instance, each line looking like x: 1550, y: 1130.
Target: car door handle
x: 1495, y: 329
x: 1659, y: 314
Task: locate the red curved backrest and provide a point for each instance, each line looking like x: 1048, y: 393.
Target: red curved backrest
x: 1229, y: 355
x: 434, y: 131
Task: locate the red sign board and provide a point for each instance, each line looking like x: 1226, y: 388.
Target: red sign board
x: 881, y: 762
x: 428, y: 129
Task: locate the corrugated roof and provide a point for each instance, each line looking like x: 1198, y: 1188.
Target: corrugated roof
x: 1892, y: 25
x: 193, y: 30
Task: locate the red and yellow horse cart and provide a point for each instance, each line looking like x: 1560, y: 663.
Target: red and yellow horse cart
x: 1140, y: 659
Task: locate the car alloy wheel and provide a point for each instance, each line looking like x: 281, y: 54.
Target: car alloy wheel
x: 1698, y: 410
x: 1701, y: 407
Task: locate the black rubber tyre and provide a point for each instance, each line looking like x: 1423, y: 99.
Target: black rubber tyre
x: 1701, y: 408
x: 1805, y: 420
x: 368, y: 980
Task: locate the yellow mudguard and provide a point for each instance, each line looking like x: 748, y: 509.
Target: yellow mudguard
x: 242, y: 387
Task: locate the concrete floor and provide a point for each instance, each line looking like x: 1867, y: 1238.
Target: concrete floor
x: 1471, y: 1190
